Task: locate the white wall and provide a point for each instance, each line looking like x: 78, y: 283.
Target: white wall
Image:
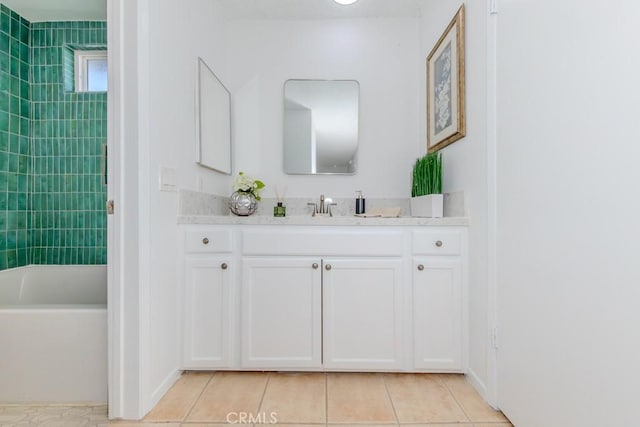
x: 153, y: 51
x: 380, y: 53
x: 568, y: 212
x: 177, y: 36
x: 253, y: 59
x: 567, y: 176
x: 465, y: 163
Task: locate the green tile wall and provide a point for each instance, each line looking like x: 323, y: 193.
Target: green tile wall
x: 51, y: 193
x: 68, y: 132
x: 14, y: 139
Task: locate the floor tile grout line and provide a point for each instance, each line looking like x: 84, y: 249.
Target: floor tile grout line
x: 193, y: 405
x: 326, y: 398
x: 497, y: 423
x: 264, y: 392
x: 446, y: 385
x: 52, y: 405
x: 439, y: 379
x: 393, y: 405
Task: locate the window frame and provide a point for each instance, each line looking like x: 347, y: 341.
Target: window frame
x: 80, y: 59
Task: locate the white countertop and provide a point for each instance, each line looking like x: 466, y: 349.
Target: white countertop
x: 319, y: 220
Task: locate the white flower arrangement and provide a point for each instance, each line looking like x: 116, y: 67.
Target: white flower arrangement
x: 248, y: 184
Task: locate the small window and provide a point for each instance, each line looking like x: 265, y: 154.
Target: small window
x: 91, y: 70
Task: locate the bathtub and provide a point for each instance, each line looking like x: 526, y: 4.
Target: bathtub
x: 53, y: 334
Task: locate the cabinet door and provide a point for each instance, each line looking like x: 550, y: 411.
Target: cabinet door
x: 207, y: 313
x: 362, y: 313
x: 281, y: 313
x: 437, y: 314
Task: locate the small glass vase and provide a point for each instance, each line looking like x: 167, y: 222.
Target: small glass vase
x: 242, y: 204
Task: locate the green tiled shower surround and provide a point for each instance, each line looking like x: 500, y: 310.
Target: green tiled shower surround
x: 15, y: 143
x: 52, y: 197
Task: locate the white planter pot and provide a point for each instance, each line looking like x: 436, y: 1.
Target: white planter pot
x: 429, y: 206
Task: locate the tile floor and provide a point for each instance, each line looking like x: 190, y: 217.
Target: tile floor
x: 292, y: 399
x: 312, y: 399
x: 53, y: 416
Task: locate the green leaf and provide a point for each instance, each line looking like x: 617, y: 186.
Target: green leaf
x: 427, y: 175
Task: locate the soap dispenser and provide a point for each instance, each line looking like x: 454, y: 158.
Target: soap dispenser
x: 359, y: 203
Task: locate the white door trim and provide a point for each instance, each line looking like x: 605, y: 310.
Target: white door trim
x: 114, y: 279
x: 128, y: 327
x: 492, y: 190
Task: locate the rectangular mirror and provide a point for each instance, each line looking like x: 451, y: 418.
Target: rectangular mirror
x: 213, y: 121
x: 320, y: 126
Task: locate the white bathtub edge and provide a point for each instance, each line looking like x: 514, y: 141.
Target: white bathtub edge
x: 66, y: 361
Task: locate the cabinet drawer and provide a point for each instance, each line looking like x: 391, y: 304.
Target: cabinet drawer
x: 208, y: 241
x: 441, y: 242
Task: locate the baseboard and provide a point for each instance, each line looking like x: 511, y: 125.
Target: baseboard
x: 162, y: 389
x: 480, y: 387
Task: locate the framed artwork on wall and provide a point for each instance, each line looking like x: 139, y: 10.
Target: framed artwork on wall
x: 446, y: 87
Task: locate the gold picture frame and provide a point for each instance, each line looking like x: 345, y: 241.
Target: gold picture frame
x: 446, y: 121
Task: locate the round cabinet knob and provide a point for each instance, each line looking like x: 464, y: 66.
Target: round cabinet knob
x: 205, y: 240
x: 439, y: 243
x: 420, y: 267
x: 315, y: 265
x: 224, y: 266
x: 327, y: 267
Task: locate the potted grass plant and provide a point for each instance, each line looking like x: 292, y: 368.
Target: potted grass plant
x: 426, y: 188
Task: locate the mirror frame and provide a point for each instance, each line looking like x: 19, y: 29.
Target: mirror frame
x: 213, y: 121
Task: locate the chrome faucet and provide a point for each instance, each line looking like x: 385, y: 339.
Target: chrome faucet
x: 324, y: 208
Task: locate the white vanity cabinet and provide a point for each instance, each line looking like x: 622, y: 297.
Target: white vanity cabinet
x: 362, y: 313
x: 207, y: 299
x: 321, y: 297
x: 334, y: 298
x: 281, y: 313
x: 438, y: 301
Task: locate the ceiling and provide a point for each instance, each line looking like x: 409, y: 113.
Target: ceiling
x: 96, y: 10
x: 319, y: 9
x: 59, y: 10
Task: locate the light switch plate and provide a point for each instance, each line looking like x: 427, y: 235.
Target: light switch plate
x: 168, y: 179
